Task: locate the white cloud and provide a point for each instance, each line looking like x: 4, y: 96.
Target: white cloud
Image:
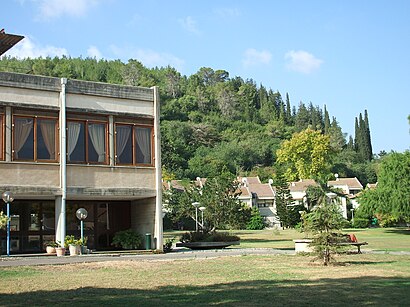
x: 94, y: 52
x: 149, y: 58
x: 50, y: 9
x: 189, y: 24
x: 254, y: 57
x: 302, y: 61
x: 27, y: 48
x: 228, y: 12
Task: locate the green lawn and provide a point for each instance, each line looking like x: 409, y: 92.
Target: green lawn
x: 379, y: 239
x: 278, y: 280
x: 274, y: 280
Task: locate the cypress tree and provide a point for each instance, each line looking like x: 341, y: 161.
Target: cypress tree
x: 288, y: 110
x: 327, y: 121
x: 368, y: 148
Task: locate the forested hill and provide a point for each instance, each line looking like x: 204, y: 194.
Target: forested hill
x: 210, y: 120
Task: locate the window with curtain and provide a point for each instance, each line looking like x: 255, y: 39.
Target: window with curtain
x: 34, y: 139
x: 86, y: 142
x: 133, y: 144
x: 1, y: 136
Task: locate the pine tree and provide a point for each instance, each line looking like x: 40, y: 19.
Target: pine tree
x: 368, y: 148
x: 288, y: 110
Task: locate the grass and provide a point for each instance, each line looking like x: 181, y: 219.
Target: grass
x: 379, y: 239
x: 356, y: 280
x: 274, y: 280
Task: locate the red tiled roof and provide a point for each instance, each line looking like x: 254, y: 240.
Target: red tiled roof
x: 352, y: 183
x: 263, y: 190
x: 302, y: 185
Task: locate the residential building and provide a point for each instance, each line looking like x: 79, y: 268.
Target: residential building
x: 67, y: 144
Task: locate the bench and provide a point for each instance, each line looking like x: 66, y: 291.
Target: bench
x: 358, y: 244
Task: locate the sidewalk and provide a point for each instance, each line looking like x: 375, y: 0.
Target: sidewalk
x: 177, y: 253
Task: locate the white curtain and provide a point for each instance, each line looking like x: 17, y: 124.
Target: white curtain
x: 72, y: 137
x: 22, y: 129
x: 48, y: 131
x: 122, y: 136
x: 97, y: 137
x: 143, y: 141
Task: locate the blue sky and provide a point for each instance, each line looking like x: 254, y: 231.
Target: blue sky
x: 349, y: 55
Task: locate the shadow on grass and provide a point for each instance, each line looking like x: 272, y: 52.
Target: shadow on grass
x: 374, y: 291
x: 402, y: 231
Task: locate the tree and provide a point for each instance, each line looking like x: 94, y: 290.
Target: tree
x: 306, y: 155
x: 256, y: 222
x: 324, y: 222
x: 287, y: 212
x: 392, y: 194
x: 219, y: 196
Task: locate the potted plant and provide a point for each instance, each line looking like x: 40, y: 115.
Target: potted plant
x: 51, y: 247
x: 83, y: 245
x: 60, y: 249
x: 73, y: 245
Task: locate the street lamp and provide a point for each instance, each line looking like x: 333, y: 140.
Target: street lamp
x: 81, y: 215
x: 352, y: 213
x: 8, y: 198
x: 196, y: 205
x: 202, y: 213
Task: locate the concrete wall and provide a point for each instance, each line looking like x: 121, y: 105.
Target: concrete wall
x: 143, y: 217
x: 29, y: 174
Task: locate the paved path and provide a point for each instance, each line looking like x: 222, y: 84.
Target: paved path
x: 176, y: 254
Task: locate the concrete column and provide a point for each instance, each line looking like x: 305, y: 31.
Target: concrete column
x: 158, y: 174
x: 58, y: 223
x: 8, y: 139
x: 111, y: 140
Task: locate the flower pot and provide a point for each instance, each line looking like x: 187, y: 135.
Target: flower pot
x: 50, y: 250
x: 74, y: 249
x: 60, y: 251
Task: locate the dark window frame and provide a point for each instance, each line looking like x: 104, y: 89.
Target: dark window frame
x: 35, y: 138
x: 133, y: 144
x: 86, y: 123
x: 2, y: 135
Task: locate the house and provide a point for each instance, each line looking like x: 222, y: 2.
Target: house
x: 260, y: 195
x: 69, y: 144
x: 349, y: 187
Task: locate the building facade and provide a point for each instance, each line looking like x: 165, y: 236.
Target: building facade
x: 67, y: 144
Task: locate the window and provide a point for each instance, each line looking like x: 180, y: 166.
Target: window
x: 34, y: 138
x: 86, y: 142
x: 1, y: 135
x: 133, y: 144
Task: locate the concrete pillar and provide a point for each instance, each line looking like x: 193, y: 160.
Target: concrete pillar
x: 8, y: 139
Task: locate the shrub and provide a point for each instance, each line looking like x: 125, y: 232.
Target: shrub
x: 127, y: 239
x: 208, y: 237
x: 3, y: 220
x: 168, y: 245
x: 256, y: 222
x: 360, y: 222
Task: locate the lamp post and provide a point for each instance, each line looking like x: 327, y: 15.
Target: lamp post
x: 196, y: 205
x: 352, y: 210
x: 331, y: 196
x: 202, y: 213
x: 8, y: 198
x: 81, y: 215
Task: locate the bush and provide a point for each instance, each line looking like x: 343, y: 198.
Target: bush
x: 168, y: 245
x: 127, y: 239
x: 256, y: 222
x: 360, y: 222
x: 208, y: 237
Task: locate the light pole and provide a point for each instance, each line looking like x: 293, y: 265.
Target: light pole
x: 202, y: 213
x: 8, y: 198
x: 81, y: 215
x: 196, y: 205
x: 352, y: 213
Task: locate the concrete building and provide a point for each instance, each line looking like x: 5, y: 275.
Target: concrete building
x: 67, y: 144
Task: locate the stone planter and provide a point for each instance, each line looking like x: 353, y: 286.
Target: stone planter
x: 50, y: 250
x: 207, y: 245
x: 74, y: 249
x: 60, y: 251
x: 303, y: 246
